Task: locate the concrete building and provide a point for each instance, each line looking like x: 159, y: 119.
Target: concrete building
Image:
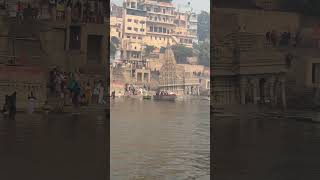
x: 69, y: 43
x: 160, y: 23
x: 248, y: 68
x: 134, y: 31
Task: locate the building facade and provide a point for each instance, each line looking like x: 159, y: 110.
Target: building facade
x: 250, y: 68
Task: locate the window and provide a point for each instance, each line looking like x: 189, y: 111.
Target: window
x: 151, y: 29
x: 155, y: 29
x: 168, y: 32
x: 164, y: 19
x: 148, y: 8
x: 128, y: 37
x: 136, y: 21
x: 136, y: 29
x: 155, y: 18
x: 141, y: 30
x: 133, y: 5
x: 150, y: 17
x: 140, y: 38
x: 129, y: 28
x: 159, y: 38
x: 75, y: 37
x: 160, y: 29
x: 164, y: 11
x: 129, y: 20
x: 164, y: 30
x: 190, y: 41
x: 134, y: 37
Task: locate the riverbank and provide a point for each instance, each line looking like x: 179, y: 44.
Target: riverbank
x: 245, y: 110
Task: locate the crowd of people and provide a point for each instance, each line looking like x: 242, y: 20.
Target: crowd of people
x: 68, y: 88
x: 283, y: 39
x: 129, y: 89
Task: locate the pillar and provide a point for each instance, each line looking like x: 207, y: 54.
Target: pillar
x: 283, y: 93
x: 272, y: 85
x: 255, y: 82
x: 243, y: 86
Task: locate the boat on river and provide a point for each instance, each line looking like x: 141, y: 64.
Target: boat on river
x: 165, y: 96
x: 147, y: 97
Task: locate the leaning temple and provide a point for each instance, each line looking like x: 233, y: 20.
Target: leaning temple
x: 263, y: 56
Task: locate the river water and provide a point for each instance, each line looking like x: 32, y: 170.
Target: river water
x: 63, y: 147
x: 149, y: 140
x: 253, y: 146
x: 160, y: 140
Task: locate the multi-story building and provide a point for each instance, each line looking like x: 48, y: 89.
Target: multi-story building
x: 182, y: 31
x: 116, y: 21
x: 72, y: 43
x: 160, y: 23
x: 134, y: 30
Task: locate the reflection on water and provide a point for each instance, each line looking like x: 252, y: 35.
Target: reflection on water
x: 160, y: 140
x: 63, y: 147
x: 265, y: 147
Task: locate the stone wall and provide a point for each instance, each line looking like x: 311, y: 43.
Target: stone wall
x: 23, y: 80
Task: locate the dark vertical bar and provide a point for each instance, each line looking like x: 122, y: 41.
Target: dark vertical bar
x: 107, y: 121
x: 211, y: 90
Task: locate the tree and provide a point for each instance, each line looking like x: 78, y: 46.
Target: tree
x: 169, y: 1
x: 115, y: 41
x: 113, y: 49
x: 181, y: 53
x: 148, y: 50
x: 203, y: 53
x: 203, y: 26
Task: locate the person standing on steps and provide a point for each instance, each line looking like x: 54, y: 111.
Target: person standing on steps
x: 88, y: 93
x: 31, y: 103
x: 101, y: 93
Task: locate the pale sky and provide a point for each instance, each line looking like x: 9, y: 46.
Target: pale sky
x: 198, y: 5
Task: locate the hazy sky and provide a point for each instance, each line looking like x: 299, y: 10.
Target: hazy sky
x: 198, y: 5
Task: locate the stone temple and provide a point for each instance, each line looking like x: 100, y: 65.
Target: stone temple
x: 251, y: 66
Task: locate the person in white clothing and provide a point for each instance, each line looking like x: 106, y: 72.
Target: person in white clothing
x: 31, y: 103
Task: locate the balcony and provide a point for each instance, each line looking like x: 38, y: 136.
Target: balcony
x: 161, y: 22
x: 161, y: 13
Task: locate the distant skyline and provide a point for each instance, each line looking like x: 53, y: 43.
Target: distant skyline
x: 197, y: 5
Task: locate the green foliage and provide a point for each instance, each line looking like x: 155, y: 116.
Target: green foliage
x: 113, y: 49
x: 203, y: 53
x: 148, y: 49
x: 181, y: 53
x: 203, y: 26
x: 165, y: 1
x: 115, y: 41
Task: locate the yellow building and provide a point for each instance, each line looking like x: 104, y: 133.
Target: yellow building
x: 183, y: 33
x: 134, y: 30
x: 116, y: 27
x: 160, y: 23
